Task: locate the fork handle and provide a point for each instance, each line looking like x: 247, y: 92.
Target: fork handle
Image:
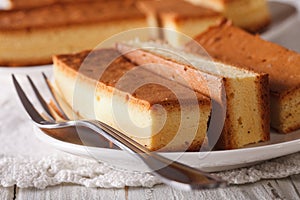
x: 171, y: 172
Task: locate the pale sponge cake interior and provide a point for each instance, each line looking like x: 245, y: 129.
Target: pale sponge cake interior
x: 151, y: 114
x: 58, y: 40
x: 247, y: 97
x: 286, y: 111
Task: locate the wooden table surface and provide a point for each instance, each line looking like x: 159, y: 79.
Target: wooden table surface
x: 287, y: 188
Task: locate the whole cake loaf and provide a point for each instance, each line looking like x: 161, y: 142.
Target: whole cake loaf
x: 159, y: 114
x: 233, y: 45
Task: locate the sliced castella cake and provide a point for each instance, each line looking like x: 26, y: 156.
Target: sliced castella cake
x: 247, y: 96
x: 156, y: 112
x: 232, y: 45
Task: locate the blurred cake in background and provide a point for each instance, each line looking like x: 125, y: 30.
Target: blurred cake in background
x: 32, y: 36
x: 178, y: 16
x: 32, y: 31
x: 251, y: 15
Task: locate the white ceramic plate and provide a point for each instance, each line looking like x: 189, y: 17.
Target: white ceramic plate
x: 279, y: 145
x: 284, y: 15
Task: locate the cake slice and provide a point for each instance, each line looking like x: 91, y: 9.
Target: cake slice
x: 252, y: 15
x: 158, y: 113
x: 30, y: 37
x: 177, y: 18
x: 247, y: 96
x: 232, y: 45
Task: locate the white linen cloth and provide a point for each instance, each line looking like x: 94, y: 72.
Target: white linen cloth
x: 28, y: 162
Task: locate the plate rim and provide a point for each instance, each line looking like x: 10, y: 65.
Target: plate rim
x: 81, y: 150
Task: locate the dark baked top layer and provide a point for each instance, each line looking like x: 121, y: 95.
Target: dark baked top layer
x: 237, y: 47
x: 109, y: 67
x: 65, y: 14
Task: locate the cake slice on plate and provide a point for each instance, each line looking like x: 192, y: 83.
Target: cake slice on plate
x: 158, y: 113
x: 232, y: 45
x: 247, y: 97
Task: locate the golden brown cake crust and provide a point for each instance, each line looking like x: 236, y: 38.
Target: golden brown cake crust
x: 68, y: 14
x: 281, y: 64
x: 108, y: 66
x: 31, y: 63
x: 264, y: 103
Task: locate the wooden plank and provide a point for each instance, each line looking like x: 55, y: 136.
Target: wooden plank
x: 7, y: 193
x: 140, y: 193
x: 247, y: 191
x: 266, y: 189
x: 287, y: 188
x: 67, y: 191
x: 256, y: 190
x: 231, y: 192
x: 273, y: 189
x: 295, y: 179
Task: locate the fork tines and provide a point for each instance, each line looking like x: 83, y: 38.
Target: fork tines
x: 51, y: 112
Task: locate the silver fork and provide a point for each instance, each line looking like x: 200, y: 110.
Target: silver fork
x: 170, y: 172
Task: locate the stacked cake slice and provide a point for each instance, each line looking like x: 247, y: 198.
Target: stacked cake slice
x: 158, y: 113
x: 232, y: 45
x: 246, y: 92
x: 163, y: 102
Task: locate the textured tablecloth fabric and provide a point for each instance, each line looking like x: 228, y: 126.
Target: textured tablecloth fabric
x: 28, y: 162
